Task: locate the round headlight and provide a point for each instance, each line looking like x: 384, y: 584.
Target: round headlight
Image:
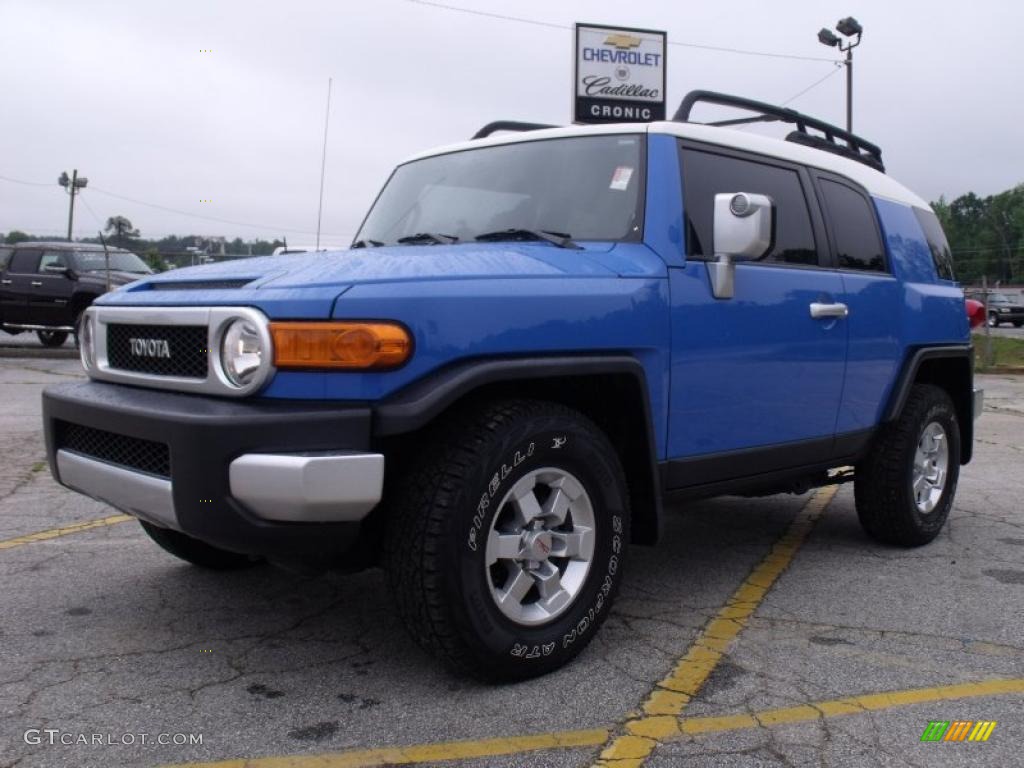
x: 241, y: 352
x: 86, y: 343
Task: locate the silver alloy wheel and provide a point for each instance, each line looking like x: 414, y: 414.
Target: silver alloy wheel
x: 931, y: 467
x: 540, y: 546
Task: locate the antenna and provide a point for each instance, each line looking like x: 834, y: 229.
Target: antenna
x: 323, y: 164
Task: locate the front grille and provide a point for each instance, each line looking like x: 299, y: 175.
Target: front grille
x: 131, y: 452
x: 183, y: 354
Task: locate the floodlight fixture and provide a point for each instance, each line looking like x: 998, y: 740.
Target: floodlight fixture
x: 826, y: 37
x: 849, y: 27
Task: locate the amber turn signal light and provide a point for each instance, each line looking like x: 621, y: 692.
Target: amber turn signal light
x: 353, y: 346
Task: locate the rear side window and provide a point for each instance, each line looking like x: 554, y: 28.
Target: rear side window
x: 24, y: 261
x: 937, y: 243
x: 5, y: 256
x: 853, y: 226
x: 706, y: 174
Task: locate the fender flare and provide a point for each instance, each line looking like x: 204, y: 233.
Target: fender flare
x: 416, y: 405
x: 964, y: 403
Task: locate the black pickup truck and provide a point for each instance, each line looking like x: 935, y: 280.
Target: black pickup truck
x: 44, y: 286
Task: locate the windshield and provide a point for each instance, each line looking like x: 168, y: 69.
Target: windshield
x: 121, y: 261
x: 588, y: 188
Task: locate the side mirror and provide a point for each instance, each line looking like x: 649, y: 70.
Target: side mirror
x: 743, y: 231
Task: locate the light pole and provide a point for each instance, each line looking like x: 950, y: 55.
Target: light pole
x: 849, y: 28
x: 72, y: 185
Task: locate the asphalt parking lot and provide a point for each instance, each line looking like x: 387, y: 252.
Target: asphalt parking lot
x: 764, y: 631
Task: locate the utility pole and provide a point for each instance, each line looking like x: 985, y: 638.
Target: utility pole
x: 849, y: 88
x: 987, y: 356
x: 849, y: 28
x: 72, y: 185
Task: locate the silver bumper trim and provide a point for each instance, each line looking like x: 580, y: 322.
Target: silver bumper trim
x: 295, y: 488
x: 979, y: 403
x: 310, y: 487
x: 135, y: 493
x: 24, y: 327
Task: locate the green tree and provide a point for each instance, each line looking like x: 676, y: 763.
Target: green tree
x: 16, y: 236
x: 152, y: 257
x: 121, y: 228
x: 1004, y: 215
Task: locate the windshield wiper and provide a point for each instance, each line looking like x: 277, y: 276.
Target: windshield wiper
x: 427, y: 237
x: 367, y: 243
x: 561, y: 239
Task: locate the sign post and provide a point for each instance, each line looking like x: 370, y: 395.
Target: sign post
x: 619, y: 75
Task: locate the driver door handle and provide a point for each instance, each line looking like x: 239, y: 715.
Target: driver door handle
x: 819, y: 310
x: 37, y: 283
x: 5, y: 282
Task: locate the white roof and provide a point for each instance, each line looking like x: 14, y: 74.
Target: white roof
x: 875, y: 182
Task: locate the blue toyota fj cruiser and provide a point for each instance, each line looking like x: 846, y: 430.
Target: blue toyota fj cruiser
x: 533, y: 339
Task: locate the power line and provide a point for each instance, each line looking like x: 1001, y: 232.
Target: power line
x: 27, y: 183
x: 207, y: 218
x: 553, y: 25
x: 815, y: 84
x: 94, y: 188
x: 91, y: 212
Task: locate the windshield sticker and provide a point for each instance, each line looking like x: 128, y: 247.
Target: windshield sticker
x: 621, y: 177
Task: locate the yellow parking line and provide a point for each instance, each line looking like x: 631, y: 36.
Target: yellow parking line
x: 694, y: 726
x: 664, y: 705
x: 420, y: 753
x: 852, y: 705
x: 55, y: 533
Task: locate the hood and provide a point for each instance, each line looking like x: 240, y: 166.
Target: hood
x: 420, y: 262
x: 117, y: 279
x: 307, y: 284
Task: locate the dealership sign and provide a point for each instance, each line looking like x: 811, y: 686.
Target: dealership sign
x: 620, y: 75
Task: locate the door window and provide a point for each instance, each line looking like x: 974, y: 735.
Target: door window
x: 52, y: 259
x: 24, y: 261
x: 853, y: 226
x: 706, y: 174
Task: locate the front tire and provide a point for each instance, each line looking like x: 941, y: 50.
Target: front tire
x: 904, y: 489
x: 506, y: 542
x: 52, y: 338
x: 198, y: 552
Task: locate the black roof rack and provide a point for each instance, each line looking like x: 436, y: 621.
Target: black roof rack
x: 835, y: 139
x: 509, y: 125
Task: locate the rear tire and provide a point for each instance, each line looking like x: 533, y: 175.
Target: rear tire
x: 475, y: 530
x: 993, y: 320
x: 52, y: 338
x: 904, y: 489
x: 198, y: 552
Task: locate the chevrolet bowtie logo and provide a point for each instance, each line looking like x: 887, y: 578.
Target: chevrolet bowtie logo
x: 623, y: 41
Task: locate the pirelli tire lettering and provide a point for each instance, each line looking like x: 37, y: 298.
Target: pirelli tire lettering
x: 492, y: 487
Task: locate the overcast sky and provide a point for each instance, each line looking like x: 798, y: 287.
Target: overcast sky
x: 124, y: 92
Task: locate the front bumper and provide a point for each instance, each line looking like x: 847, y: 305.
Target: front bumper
x: 272, y: 478
x: 1013, y: 316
